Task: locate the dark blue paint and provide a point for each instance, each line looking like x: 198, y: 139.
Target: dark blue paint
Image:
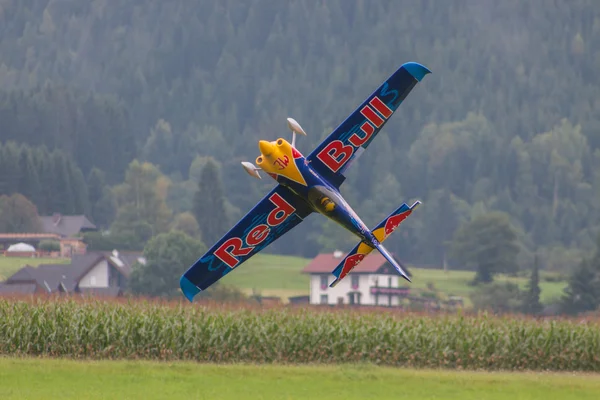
x: 321, y: 181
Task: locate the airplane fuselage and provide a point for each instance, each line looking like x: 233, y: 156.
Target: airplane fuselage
x: 290, y: 168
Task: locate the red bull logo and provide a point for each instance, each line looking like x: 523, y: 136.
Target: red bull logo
x: 349, y: 264
x: 392, y: 222
x: 233, y: 247
x: 336, y: 153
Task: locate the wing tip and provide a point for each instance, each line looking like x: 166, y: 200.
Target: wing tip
x: 417, y: 70
x: 415, y: 205
x: 188, y: 288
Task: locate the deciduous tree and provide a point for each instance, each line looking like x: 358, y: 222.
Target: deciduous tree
x: 488, y: 244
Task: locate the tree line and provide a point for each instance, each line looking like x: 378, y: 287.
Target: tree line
x: 506, y: 127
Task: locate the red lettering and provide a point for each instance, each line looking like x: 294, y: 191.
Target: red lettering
x: 229, y: 257
x: 381, y: 107
x: 330, y: 155
x: 372, y: 116
x: 358, y: 141
x: 257, y: 235
x: 282, y: 162
x: 283, y: 209
x: 234, y: 247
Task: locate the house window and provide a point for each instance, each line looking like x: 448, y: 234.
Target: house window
x: 323, y: 282
x: 354, y: 281
x: 324, y: 299
x: 93, y: 280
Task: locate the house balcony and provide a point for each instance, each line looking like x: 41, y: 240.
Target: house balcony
x: 394, y: 291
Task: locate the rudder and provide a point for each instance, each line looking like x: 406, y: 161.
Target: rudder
x: 381, y: 232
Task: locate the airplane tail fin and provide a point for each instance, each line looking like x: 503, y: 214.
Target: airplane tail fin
x: 381, y: 232
x: 392, y: 261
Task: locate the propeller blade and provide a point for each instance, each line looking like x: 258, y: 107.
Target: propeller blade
x: 251, y: 169
x: 295, y: 126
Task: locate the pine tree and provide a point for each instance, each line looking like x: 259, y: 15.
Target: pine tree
x: 209, y: 204
x: 583, y: 290
x: 531, y: 303
x: 29, y: 182
x: 96, y: 182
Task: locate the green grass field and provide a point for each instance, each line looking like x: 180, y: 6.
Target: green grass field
x: 10, y: 265
x: 62, y: 379
x: 281, y: 276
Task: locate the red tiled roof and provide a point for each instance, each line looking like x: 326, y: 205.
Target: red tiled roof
x: 325, y: 263
x: 28, y: 235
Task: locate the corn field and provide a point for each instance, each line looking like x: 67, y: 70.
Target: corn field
x: 149, y: 330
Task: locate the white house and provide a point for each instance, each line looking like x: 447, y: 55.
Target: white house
x: 372, y: 282
x: 103, y: 273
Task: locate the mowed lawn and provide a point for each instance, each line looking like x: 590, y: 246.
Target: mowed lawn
x: 271, y: 275
x: 61, y: 379
x: 282, y: 276
x: 456, y: 283
x: 10, y: 265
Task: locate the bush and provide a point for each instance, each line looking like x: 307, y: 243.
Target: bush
x: 497, y: 297
x: 49, y: 245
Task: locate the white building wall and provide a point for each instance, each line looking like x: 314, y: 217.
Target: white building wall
x: 96, y: 277
x: 341, y: 290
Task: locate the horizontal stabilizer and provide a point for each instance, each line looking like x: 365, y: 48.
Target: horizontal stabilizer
x: 385, y: 228
x: 358, y: 253
x: 381, y: 232
x: 392, y: 261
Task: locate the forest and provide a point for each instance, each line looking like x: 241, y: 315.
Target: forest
x: 138, y: 113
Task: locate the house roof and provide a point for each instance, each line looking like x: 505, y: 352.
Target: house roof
x: 15, y: 236
x: 124, y: 260
x: 17, y: 288
x: 48, y: 276
x: 66, y: 225
x: 372, y: 263
x: 51, y: 276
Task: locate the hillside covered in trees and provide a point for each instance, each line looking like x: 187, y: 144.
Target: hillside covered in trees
x: 509, y: 121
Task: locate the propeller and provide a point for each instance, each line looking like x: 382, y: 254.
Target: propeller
x: 251, y: 169
x: 295, y: 128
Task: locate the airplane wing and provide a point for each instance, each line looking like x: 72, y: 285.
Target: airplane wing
x: 277, y: 213
x: 347, y: 142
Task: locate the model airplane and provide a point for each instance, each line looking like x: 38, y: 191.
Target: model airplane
x: 311, y: 184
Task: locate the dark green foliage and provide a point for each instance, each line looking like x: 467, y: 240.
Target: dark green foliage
x: 18, y: 215
x: 499, y: 297
x: 53, y: 182
x: 531, y: 300
x: 142, y: 211
x: 168, y: 256
x: 103, y: 206
x: 486, y: 244
x: 49, y: 245
x: 92, y: 129
x: 97, y: 241
x: 209, y: 203
x: 508, y: 121
x: 583, y: 291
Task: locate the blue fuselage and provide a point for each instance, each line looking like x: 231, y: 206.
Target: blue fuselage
x: 325, y: 199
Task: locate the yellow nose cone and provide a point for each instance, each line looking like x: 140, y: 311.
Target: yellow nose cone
x: 266, y: 148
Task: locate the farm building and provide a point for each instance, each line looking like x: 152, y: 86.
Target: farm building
x: 372, y: 282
